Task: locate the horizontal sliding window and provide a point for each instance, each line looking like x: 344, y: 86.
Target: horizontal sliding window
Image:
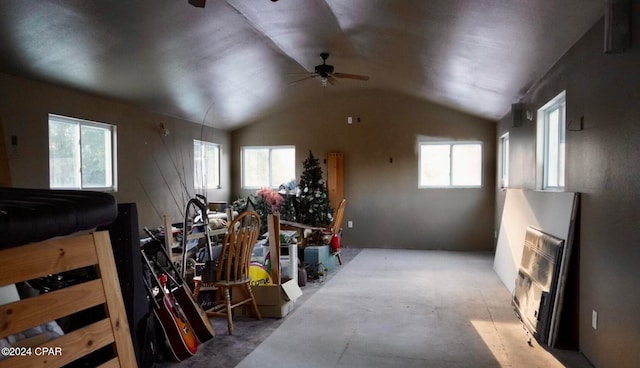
x: 82, y: 154
x: 268, y: 166
x: 450, y: 165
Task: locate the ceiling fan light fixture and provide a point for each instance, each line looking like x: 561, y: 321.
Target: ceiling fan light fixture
x: 326, y: 73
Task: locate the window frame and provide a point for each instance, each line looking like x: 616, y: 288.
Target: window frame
x: 203, y: 184
x: 543, y: 144
x: 112, y: 161
x: 451, y: 145
x: 270, y: 165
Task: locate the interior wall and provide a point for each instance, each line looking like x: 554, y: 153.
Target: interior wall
x: 154, y: 171
x: 381, y: 167
x: 5, y: 172
x: 602, y: 164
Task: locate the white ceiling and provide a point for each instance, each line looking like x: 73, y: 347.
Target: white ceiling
x: 231, y: 62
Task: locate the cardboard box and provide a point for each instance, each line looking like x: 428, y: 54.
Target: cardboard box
x: 275, y: 311
x: 218, y: 206
x: 276, y: 300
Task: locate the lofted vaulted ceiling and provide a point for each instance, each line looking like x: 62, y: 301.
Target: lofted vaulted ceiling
x: 233, y: 61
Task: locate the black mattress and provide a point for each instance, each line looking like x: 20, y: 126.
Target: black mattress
x: 31, y: 215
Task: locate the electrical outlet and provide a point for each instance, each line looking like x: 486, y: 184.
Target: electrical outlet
x: 349, y: 224
x: 594, y: 319
x: 349, y: 120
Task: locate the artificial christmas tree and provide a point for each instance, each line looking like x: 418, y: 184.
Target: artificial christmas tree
x: 312, y: 202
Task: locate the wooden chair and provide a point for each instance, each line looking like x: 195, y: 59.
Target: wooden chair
x: 54, y: 256
x: 336, y: 225
x: 232, y: 278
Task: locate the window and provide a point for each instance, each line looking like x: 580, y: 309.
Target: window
x: 268, y: 166
x: 206, y: 165
x: 450, y: 164
x: 82, y: 154
x: 551, y: 139
x: 503, y: 166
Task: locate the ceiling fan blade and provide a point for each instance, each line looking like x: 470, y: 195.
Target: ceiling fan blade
x: 351, y: 76
x: 302, y: 79
x: 332, y: 81
x: 299, y: 73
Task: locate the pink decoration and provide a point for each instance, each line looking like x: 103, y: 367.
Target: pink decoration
x: 270, y: 197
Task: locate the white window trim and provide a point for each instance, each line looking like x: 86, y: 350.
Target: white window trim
x: 205, y: 186
x: 541, y: 141
x: 451, y: 144
x: 114, y: 151
x: 270, y: 148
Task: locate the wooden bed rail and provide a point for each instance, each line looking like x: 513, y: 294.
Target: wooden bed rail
x: 54, y: 256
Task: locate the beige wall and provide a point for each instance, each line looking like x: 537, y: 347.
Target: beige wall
x: 383, y: 200
x: 602, y: 164
x: 153, y: 171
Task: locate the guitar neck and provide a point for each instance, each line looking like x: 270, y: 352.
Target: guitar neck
x: 170, y: 270
x: 150, y: 292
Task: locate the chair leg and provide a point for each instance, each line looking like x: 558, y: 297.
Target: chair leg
x: 227, y: 297
x: 196, y: 288
x: 254, y: 305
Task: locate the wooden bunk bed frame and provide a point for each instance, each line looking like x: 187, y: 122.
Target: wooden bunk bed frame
x: 34, y: 260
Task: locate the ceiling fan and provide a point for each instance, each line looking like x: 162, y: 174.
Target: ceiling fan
x: 327, y: 75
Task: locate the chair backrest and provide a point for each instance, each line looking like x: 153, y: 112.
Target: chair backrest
x: 238, y: 245
x: 336, y: 224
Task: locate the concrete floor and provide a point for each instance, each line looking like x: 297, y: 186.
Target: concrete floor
x: 399, y: 308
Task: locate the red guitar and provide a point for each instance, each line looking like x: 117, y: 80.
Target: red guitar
x: 180, y: 338
x: 193, y: 313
